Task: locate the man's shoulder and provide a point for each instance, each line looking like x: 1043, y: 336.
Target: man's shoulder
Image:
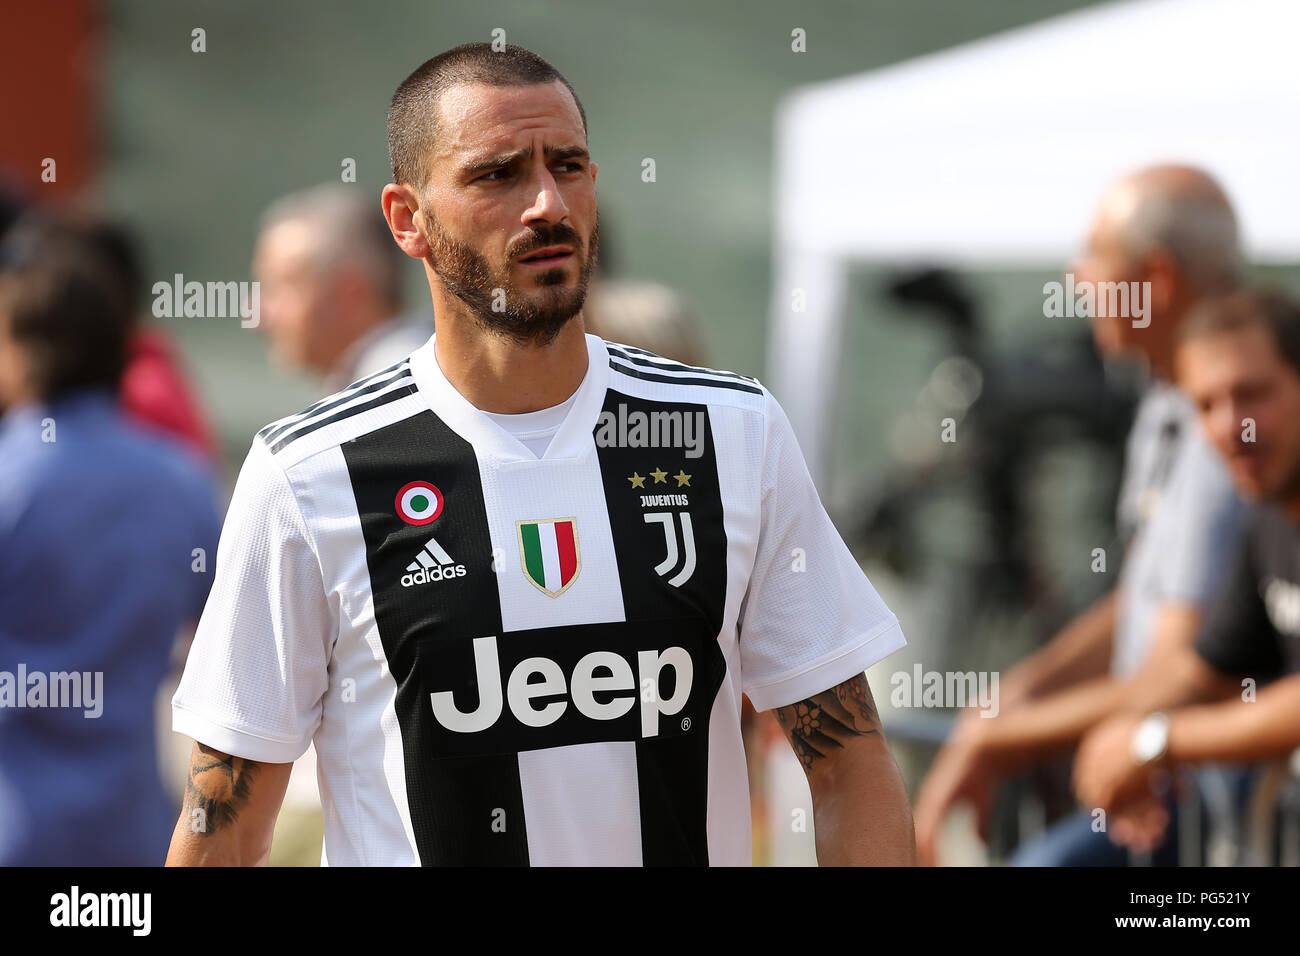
x: 645, y: 371
x: 370, y: 402
x: 1201, y: 474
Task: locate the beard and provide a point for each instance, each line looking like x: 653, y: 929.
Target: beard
x: 534, y: 316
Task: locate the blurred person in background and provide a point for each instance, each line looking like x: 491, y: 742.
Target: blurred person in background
x: 1172, y: 230
x: 331, y: 286
x: 155, y: 391
x: 644, y: 315
x: 1240, y: 363
x: 108, y: 534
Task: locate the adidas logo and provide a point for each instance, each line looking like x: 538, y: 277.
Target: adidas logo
x: 433, y: 563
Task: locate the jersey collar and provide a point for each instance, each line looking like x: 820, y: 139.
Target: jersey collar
x: 572, y: 440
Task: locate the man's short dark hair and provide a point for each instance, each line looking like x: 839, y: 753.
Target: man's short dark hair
x: 65, y: 309
x: 1270, y: 309
x: 413, y: 122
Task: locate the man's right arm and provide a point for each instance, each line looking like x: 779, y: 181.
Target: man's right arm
x: 1079, y: 654
x: 229, y: 812
x: 253, y: 689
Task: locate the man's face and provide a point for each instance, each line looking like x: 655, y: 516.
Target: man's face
x: 295, y: 299
x: 495, y: 198
x: 1237, y: 378
x: 1105, y: 259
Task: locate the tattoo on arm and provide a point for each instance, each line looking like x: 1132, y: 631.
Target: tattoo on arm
x: 823, y: 723
x: 218, y: 785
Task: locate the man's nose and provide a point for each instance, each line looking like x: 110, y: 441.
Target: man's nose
x: 548, y: 205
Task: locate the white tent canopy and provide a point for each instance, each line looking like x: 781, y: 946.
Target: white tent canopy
x: 995, y: 152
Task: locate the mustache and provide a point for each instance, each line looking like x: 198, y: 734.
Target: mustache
x: 559, y: 235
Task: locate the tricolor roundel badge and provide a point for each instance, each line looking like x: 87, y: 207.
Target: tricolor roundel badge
x: 419, y: 502
x: 548, y: 550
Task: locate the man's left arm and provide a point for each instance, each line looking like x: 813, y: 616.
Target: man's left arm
x: 1238, y: 731
x: 1107, y: 775
x: 860, y: 809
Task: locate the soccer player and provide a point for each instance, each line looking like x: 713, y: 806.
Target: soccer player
x: 514, y: 586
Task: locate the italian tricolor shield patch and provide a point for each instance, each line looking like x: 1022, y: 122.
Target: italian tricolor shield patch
x: 548, y: 550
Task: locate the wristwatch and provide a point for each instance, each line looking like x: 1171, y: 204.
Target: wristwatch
x: 1151, y: 738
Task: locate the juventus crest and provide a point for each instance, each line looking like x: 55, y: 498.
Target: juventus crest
x: 683, y: 563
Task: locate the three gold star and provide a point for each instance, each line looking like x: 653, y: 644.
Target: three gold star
x: 660, y: 478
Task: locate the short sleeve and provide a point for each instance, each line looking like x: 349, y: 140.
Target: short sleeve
x: 1237, y: 637
x: 810, y: 619
x: 258, y: 666
x: 1210, y: 518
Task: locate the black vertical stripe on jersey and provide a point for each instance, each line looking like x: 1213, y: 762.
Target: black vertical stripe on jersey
x: 454, y: 800
x: 672, y: 772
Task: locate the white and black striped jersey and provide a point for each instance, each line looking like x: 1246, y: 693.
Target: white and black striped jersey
x: 506, y: 659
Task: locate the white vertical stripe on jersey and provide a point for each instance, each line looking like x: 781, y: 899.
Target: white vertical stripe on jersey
x: 594, y: 786
x: 556, y: 809
x: 550, y: 554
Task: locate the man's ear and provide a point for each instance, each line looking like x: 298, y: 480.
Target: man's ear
x: 1167, y: 280
x: 401, y: 203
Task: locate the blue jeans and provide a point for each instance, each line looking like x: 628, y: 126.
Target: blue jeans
x: 1071, y: 841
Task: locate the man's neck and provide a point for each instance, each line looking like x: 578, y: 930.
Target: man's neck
x: 1161, y: 338
x: 1159, y: 356
x: 1162, y: 369
x: 496, y: 374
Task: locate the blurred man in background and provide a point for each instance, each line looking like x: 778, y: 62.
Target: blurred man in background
x: 107, y: 542
x: 331, y: 280
x: 1240, y: 363
x: 1171, y: 230
x: 155, y: 390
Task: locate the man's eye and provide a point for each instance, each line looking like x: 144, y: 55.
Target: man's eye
x: 489, y: 177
